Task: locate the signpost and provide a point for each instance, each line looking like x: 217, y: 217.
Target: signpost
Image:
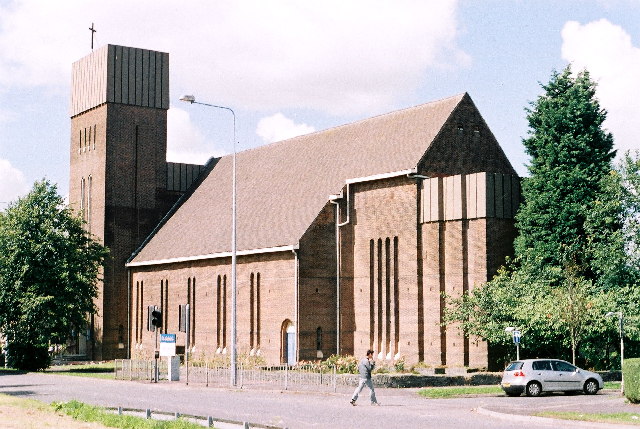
x: 167, y: 345
x: 515, y: 332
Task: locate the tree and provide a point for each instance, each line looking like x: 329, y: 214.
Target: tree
x: 575, y: 227
x: 571, y: 156
x: 49, y: 267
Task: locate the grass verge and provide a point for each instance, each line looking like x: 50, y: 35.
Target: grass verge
x: 618, y: 418
x: 456, y: 391
x: 95, y: 370
x: 91, y: 413
x: 614, y: 385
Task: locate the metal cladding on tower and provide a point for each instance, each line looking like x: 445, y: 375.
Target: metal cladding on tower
x: 119, y: 74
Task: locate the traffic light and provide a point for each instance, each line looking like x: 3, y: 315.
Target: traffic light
x: 156, y: 318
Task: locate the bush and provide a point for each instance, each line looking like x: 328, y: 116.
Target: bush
x: 344, y: 364
x: 28, y: 357
x: 631, y: 375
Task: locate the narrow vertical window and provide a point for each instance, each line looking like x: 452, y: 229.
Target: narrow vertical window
x: 189, y: 290
x: 319, y: 339
x: 162, y: 297
x: 379, y: 296
x: 396, y: 296
x: 251, y: 310
x: 258, y: 310
x: 82, y: 196
x: 138, y: 327
x: 89, y: 187
x: 89, y: 141
x: 224, y: 311
x: 142, y: 314
x: 166, y: 305
x: 193, y: 311
x: 372, y: 292
x: 94, y: 136
x: 387, y: 295
x: 218, y: 311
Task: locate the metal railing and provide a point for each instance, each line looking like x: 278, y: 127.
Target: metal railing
x: 299, y: 377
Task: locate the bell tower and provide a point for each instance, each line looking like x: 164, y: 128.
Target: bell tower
x: 118, y: 172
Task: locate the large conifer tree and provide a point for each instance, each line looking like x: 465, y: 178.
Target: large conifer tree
x: 571, y: 156
x: 570, y: 266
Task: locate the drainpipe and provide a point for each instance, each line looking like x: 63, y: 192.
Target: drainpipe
x: 335, y: 199
x: 128, y: 313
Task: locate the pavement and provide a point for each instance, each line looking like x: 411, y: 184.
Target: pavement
x: 401, y: 408
x: 522, y: 409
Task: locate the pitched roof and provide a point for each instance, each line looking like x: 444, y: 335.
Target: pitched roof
x: 283, y: 186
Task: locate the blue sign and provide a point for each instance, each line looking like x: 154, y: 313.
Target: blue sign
x: 516, y: 337
x: 167, y: 344
x: 167, y: 338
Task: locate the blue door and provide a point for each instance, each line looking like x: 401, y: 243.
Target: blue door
x: 291, y: 346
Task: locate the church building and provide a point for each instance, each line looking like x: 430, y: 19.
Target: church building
x: 347, y: 238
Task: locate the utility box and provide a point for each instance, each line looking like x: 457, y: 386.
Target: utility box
x: 173, y: 368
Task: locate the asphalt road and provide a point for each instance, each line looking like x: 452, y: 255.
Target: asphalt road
x: 401, y: 408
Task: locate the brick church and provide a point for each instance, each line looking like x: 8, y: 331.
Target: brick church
x: 346, y: 238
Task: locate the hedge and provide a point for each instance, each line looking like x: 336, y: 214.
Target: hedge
x: 631, y: 374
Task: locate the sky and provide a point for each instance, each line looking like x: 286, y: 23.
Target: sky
x: 291, y: 67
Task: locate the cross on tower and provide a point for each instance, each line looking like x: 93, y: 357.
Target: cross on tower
x: 93, y: 31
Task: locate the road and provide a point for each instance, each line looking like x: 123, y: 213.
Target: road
x: 401, y: 408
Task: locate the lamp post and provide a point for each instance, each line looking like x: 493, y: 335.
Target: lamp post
x: 234, y: 371
x: 515, y: 333
x: 621, y: 330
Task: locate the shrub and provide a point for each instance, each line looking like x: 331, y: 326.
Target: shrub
x: 631, y: 374
x: 27, y: 356
x: 344, y: 364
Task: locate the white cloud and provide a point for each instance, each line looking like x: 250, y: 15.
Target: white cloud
x: 12, y: 183
x: 278, y: 127
x: 607, y: 52
x: 336, y: 56
x: 185, y: 142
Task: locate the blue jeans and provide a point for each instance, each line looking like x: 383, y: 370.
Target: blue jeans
x: 361, y: 384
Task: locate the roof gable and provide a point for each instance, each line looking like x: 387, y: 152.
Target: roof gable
x: 281, y: 187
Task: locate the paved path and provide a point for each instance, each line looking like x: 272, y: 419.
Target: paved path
x: 401, y: 408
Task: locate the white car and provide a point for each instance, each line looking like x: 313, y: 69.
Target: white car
x: 534, y: 376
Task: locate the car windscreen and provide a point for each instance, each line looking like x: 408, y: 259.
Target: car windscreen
x: 513, y: 366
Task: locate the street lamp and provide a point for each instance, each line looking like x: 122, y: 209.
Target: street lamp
x: 621, y: 330
x: 516, y: 338
x: 234, y: 372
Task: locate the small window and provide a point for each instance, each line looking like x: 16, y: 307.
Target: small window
x: 541, y: 365
x: 563, y: 366
x: 513, y: 366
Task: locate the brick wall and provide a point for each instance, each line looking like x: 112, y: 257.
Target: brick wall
x: 276, y: 303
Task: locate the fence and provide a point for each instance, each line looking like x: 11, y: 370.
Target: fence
x: 301, y: 377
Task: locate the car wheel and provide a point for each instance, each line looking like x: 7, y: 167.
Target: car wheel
x: 591, y: 387
x: 533, y: 389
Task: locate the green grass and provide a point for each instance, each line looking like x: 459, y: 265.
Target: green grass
x: 90, y: 413
x: 453, y: 392
x: 619, y: 418
x: 95, y: 370
x: 615, y: 385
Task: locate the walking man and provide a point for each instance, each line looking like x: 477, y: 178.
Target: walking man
x: 365, y: 367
